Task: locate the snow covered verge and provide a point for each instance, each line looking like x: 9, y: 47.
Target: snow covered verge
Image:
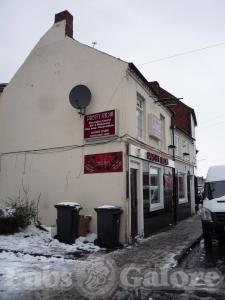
x: 31, y: 259
x: 7, y: 212
x: 34, y: 241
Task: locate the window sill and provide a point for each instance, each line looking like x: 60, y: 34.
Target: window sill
x: 156, y: 207
x: 183, y: 200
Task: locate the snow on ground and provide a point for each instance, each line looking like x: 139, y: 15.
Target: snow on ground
x: 33, y: 240
x: 21, y: 276
x: 7, y: 212
x: 26, y: 258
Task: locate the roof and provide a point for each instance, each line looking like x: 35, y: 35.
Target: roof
x: 165, y: 95
x: 2, y: 86
x: 138, y: 73
x: 134, y: 69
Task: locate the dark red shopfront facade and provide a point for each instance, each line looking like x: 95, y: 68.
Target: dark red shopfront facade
x: 159, y: 191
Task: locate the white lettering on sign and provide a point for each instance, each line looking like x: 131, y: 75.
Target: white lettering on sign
x: 101, y: 124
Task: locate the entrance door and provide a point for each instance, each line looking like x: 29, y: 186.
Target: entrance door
x: 134, y: 203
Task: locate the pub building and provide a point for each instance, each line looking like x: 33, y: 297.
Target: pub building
x: 123, y: 146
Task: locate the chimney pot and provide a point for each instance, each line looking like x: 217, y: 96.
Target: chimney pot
x: 65, y: 15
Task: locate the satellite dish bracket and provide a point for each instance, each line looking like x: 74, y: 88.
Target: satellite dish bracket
x: 82, y: 111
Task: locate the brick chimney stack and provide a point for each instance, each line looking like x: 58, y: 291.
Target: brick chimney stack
x: 65, y: 15
x: 155, y: 86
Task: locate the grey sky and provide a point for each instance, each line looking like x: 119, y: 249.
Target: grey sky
x: 140, y: 31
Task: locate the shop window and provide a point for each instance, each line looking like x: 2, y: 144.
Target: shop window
x: 140, y: 116
x: 152, y: 187
x: 182, y: 188
x: 168, y: 188
x: 156, y: 188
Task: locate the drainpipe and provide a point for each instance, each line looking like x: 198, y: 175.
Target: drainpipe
x: 174, y: 178
x: 128, y: 232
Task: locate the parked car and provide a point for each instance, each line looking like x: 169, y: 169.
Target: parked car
x: 213, y: 210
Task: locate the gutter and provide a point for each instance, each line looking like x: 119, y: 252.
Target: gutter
x: 180, y: 257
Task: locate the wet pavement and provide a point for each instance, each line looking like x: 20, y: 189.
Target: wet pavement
x: 201, y: 260
x: 162, y: 249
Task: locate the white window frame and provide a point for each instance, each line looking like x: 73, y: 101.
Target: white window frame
x: 177, y: 144
x: 184, y: 145
x: 185, y: 199
x: 140, y: 103
x: 160, y: 205
x: 185, y: 149
x: 188, y: 147
x: 135, y: 163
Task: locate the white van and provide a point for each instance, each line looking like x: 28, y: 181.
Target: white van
x: 213, y: 210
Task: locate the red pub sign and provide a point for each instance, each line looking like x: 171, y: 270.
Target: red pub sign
x: 156, y: 158
x: 100, y: 125
x: 103, y: 162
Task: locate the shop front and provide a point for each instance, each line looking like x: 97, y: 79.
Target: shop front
x: 185, y: 201
x: 151, y: 186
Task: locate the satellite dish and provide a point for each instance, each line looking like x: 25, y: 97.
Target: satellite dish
x: 80, y: 97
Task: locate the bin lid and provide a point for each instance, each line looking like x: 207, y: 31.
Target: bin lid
x: 108, y: 207
x: 68, y: 204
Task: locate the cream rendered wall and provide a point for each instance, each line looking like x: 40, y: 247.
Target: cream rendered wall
x: 35, y: 114
x: 191, y: 159
x: 58, y: 176
x: 37, y: 100
x: 134, y: 87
